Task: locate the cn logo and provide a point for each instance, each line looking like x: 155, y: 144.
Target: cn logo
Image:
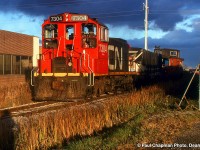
x: 117, y: 60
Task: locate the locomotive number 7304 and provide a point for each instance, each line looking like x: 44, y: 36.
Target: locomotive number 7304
x: 56, y: 18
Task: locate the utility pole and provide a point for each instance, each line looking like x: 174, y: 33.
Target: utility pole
x: 146, y: 25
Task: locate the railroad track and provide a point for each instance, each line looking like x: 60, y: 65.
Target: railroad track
x: 39, y: 107
x: 34, y: 108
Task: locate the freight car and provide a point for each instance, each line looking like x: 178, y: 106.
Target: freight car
x: 78, y: 59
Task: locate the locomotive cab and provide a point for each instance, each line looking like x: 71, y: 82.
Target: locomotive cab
x: 73, y: 43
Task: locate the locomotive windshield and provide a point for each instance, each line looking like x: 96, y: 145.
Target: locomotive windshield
x: 69, y: 32
x: 50, y: 31
x: 89, y: 32
x: 50, y: 34
x: 89, y: 29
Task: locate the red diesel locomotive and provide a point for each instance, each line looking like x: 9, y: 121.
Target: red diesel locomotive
x: 79, y: 59
x: 74, y: 43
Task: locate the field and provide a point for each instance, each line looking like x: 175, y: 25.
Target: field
x: 157, y: 128
x: 146, y: 115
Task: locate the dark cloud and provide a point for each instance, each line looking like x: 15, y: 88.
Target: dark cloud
x: 112, y: 11
x: 37, y: 7
x: 164, y: 13
x: 129, y: 12
x: 190, y: 54
x: 186, y: 42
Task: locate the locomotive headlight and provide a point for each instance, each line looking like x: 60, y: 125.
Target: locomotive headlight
x: 69, y: 64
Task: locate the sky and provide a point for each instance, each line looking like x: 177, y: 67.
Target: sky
x: 172, y: 23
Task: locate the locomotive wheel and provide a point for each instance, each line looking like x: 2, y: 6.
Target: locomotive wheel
x: 97, y: 92
x: 96, y: 89
x: 89, y: 92
x: 128, y: 87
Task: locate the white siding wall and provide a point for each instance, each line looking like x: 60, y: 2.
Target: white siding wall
x: 35, y: 51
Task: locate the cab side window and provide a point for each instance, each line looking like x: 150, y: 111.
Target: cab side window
x: 89, y: 32
x: 104, y: 34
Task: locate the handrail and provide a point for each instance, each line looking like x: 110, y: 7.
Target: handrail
x: 138, y: 56
x: 85, y: 54
x: 59, y: 46
x: 91, y: 83
x: 32, y: 73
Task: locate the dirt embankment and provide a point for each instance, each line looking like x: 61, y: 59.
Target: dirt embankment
x: 173, y: 127
x: 191, y: 135
x: 14, y: 91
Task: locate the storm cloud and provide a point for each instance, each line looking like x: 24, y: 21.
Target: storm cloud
x: 172, y: 23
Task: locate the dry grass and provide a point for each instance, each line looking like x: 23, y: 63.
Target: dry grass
x: 14, y: 94
x: 164, y: 127
x: 52, y: 128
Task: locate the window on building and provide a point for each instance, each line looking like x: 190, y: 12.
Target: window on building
x: 7, y: 64
x: 30, y: 62
x: 1, y: 64
x: 165, y: 62
x: 24, y: 63
x: 173, y: 53
x: 158, y: 52
x: 13, y: 64
x: 16, y: 61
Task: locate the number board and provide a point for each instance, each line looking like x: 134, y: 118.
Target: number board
x: 56, y: 18
x: 79, y: 18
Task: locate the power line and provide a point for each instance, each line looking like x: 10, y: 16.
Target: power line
x: 109, y: 15
x: 152, y: 12
x: 119, y: 15
x: 118, y: 12
x: 72, y: 2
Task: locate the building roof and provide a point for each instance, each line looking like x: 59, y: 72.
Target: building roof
x: 165, y: 49
x: 15, y: 43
